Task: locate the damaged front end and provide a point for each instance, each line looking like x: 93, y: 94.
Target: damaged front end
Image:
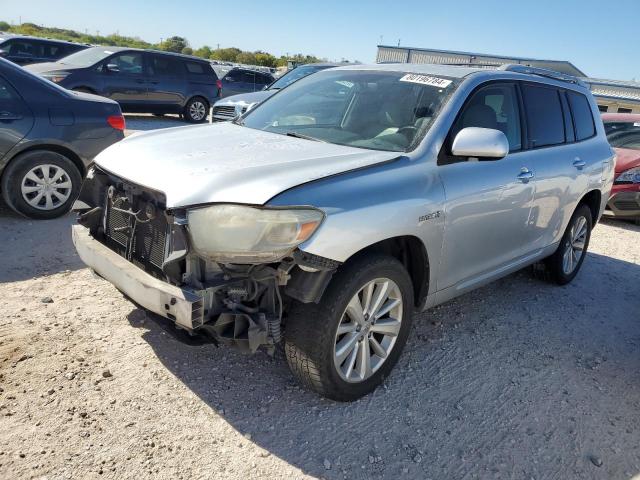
x: 154, y: 256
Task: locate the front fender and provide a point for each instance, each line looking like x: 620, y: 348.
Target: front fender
x: 364, y: 207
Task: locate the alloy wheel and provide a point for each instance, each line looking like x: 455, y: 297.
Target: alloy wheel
x: 368, y: 330
x: 574, y: 246
x: 46, y: 187
x: 197, y: 110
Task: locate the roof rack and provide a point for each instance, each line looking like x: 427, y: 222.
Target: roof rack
x: 542, y: 72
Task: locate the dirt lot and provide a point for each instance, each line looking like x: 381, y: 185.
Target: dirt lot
x: 518, y: 380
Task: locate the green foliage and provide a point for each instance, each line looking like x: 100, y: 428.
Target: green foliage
x: 73, y: 36
x: 225, y: 54
x: 174, y: 44
x: 171, y: 44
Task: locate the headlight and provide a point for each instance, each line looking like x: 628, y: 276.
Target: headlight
x: 56, y: 77
x: 630, y: 176
x: 243, y: 234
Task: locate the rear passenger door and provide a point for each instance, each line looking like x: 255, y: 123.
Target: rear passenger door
x: 166, y: 83
x: 560, y: 164
x: 16, y: 118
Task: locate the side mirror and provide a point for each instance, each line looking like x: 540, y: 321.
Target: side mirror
x: 3, y: 53
x: 481, y: 143
x: 112, y: 67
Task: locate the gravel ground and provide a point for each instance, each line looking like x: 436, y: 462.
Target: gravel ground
x: 517, y: 380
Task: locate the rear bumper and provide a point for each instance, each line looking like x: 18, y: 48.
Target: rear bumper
x: 624, y: 204
x: 184, y: 307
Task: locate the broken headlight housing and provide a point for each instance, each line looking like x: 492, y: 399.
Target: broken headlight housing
x: 244, y: 234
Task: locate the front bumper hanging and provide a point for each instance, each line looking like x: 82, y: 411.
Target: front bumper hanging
x: 184, y: 307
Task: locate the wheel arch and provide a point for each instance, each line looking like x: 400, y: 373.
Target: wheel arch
x: 412, y: 253
x: 50, y: 147
x: 593, y: 200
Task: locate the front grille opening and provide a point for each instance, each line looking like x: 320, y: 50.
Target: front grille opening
x: 138, y: 238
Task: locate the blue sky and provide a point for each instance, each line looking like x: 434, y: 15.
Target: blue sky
x: 602, y: 42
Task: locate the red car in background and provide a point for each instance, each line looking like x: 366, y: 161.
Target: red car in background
x: 623, y: 133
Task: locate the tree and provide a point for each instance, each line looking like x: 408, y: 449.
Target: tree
x: 204, y: 52
x: 225, y: 54
x: 4, y: 26
x: 187, y: 51
x: 174, y: 44
x: 265, y: 59
x: 247, y: 58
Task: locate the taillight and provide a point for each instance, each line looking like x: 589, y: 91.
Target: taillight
x: 116, y: 121
x: 219, y: 84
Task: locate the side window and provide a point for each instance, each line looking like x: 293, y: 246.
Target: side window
x: 53, y: 50
x: 494, y: 106
x: 165, y: 66
x: 232, y: 76
x: 264, y: 80
x: 545, y: 121
x: 129, y: 63
x: 6, y: 92
x: 249, y: 77
x: 195, y: 67
x: 23, y: 49
x: 582, y: 116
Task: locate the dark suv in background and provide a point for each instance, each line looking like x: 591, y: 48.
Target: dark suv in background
x: 244, y: 80
x: 48, y: 137
x: 141, y: 81
x: 25, y: 50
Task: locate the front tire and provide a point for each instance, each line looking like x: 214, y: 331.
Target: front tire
x: 346, y: 345
x: 565, y: 263
x: 41, y: 184
x: 196, y: 110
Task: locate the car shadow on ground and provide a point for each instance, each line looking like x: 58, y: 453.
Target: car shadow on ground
x: 31, y: 248
x: 486, y: 382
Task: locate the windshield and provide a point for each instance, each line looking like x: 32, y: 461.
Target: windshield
x: 623, y: 134
x: 86, y: 58
x: 295, y: 74
x: 378, y: 110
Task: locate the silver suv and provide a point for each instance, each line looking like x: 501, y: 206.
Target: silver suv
x: 327, y: 214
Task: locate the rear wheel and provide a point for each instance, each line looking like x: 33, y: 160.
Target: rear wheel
x: 41, y: 184
x: 565, y: 263
x: 196, y: 110
x: 345, y: 346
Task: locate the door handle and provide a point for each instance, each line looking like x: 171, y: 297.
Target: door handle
x: 525, y: 175
x: 140, y: 81
x: 8, y: 116
x: 578, y: 163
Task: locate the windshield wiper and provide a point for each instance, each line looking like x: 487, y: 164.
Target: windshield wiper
x: 304, y: 137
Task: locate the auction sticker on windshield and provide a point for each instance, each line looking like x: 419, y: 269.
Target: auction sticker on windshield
x: 426, y: 80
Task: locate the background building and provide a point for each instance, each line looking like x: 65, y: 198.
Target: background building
x: 611, y: 95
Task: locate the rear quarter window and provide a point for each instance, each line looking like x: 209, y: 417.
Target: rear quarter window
x: 545, y: 119
x: 582, y: 116
x: 196, y: 68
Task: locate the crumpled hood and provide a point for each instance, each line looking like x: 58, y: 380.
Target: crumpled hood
x: 224, y: 162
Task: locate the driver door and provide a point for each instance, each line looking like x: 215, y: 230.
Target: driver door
x: 125, y: 81
x: 487, y: 202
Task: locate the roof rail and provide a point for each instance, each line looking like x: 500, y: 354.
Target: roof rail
x: 542, y: 72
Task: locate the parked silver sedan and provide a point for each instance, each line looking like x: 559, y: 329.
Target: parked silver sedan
x: 326, y: 215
